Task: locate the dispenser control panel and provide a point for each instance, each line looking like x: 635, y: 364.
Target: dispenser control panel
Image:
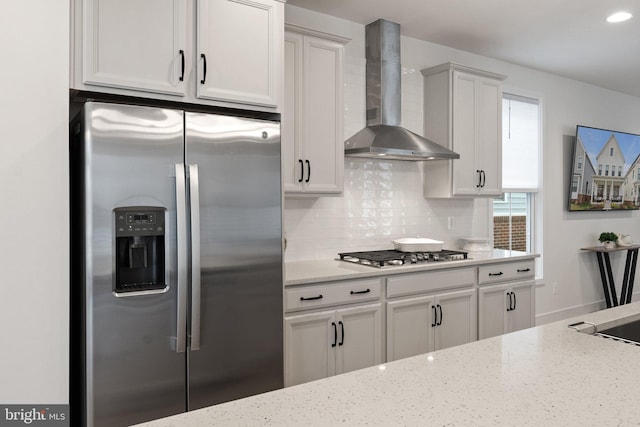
x: 140, y: 222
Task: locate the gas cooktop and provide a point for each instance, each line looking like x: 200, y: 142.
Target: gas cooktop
x: 389, y: 258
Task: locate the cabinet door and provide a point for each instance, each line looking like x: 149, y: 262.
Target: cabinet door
x: 523, y: 314
x: 465, y: 171
x: 293, y: 166
x: 489, y: 140
x: 138, y: 45
x: 310, y: 340
x: 359, y: 337
x: 493, y: 311
x: 239, y: 45
x: 323, y: 144
x: 410, y: 325
x: 456, y: 318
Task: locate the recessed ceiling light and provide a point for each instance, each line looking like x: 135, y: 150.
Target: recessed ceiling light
x: 619, y: 17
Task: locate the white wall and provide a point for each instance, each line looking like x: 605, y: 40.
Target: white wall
x: 319, y: 227
x: 34, y: 248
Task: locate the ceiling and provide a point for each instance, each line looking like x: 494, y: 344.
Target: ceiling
x: 570, y: 38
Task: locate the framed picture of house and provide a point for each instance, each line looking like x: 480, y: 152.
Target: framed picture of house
x: 605, y: 172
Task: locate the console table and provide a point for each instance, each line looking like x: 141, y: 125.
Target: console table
x: 604, y: 263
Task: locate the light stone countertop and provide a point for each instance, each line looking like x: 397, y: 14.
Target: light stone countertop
x: 550, y: 375
x: 304, y: 272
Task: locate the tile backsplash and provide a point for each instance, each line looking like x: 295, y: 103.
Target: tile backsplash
x: 382, y: 200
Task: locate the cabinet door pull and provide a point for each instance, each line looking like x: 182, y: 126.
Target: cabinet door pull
x: 496, y: 274
x: 484, y: 178
x: 439, y: 322
x: 523, y: 270
x: 181, y: 52
x: 335, y: 334
x: 434, y: 322
x: 366, y: 291
x: 342, y: 330
x: 514, y: 300
x: 509, y: 303
x: 308, y: 171
x: 311, y: 298
x: 301, y: 170
x: 204, y: 68
x: 479, y: 184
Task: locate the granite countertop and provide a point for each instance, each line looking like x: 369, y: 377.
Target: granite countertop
x: 548, y: 375
x: 303, y: 272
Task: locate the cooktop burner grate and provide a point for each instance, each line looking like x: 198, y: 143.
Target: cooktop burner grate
x: 387, y: 258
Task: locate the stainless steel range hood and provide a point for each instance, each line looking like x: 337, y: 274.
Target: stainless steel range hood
x: 383, y: 137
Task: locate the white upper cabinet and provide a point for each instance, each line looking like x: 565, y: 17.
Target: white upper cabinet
x: 239, y: 50
x: 463, y: 112
x: 312, y: 136
x: 138, y: 45
x: 214, y: 52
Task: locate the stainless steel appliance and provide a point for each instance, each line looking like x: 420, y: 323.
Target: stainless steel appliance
x: 177, y: 261
x: 383, y: 137
x: 392, y: 257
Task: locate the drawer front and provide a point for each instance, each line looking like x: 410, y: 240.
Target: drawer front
x: 410, y: 284
x: 502, y: 272
x: 308, y: 297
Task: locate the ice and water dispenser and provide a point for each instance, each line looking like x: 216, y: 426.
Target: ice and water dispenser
x: 140, y: 249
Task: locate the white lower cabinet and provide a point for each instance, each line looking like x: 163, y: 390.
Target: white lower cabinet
x: 335, y: 327
x: 506, y: 296
x: 427, y: 323
x: 319, y: 345
x: 506, y: 308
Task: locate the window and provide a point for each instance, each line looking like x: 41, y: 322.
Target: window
x: 611, y: 151
x: 514, y: 218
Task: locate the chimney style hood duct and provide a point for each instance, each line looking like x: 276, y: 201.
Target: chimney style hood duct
x: 383, y: 137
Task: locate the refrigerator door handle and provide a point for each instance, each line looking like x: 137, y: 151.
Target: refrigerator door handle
x: 181, y: 219
x: 194, y: 196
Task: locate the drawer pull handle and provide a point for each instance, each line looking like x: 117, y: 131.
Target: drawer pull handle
x: 523, y: 270
x: 496, y: 274
x: 366, y: 291
x: 310, y: 298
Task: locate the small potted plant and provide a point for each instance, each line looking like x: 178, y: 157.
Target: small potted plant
x: 608, y: 239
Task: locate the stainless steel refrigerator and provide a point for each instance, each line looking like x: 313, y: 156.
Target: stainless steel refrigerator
x: 176, y: 261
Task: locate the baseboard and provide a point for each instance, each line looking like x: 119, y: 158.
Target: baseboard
x: 567, y: 313
x: 577, y: 310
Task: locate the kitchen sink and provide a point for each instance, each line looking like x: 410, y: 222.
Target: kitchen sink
x: 626, y: 330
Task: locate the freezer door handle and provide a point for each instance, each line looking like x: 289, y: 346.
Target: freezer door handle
x: 194, y: 197
x: 181, y: 220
